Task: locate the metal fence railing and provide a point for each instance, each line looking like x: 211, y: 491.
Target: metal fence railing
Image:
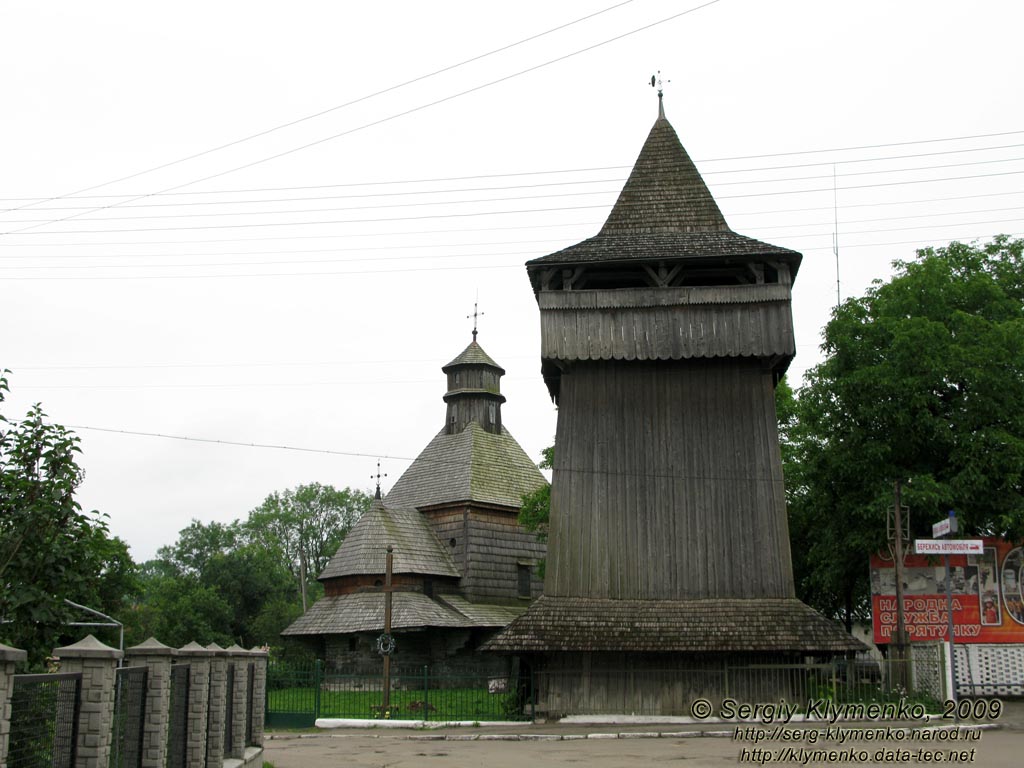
x: 44, y: 720
x: 177, y: 731
x: 298, y: 694
x: 811, y: 686
x: 129, y: 717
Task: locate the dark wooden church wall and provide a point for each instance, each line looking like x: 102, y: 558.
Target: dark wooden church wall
x: 451, y: 530
x: 497, y: 544
x: 662, y: 684
x: 645, y: 505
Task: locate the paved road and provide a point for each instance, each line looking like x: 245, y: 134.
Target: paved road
x: 568, y: 745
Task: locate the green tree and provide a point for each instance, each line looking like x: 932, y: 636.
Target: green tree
x: 535, y: 507
x: 303, y: 528
x: 50, y: 550
x: 923, y: 381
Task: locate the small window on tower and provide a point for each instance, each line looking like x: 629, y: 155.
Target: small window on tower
x: 524, y: 579
x: 492, y: 413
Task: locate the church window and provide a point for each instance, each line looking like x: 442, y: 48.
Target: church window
x: 492, y: 413
x: 524, y: 579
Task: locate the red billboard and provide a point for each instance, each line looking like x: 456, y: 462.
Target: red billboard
x: 988, y: 602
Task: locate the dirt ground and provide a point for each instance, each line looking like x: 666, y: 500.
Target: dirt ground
x: 698, y: 746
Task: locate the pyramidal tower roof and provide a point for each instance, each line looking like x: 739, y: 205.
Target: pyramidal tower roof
x: 664, y: 193
x: 665, y: 212
x: 473, y: 355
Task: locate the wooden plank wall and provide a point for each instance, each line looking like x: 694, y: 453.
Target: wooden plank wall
x: 668, y: 483
x: 497, y: 544
x: 653, y: 684
x: 656, y: 329
x: 489, y: 545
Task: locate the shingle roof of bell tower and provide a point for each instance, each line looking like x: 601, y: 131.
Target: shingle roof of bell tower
x: 665, y: 193
x: 665, y: 212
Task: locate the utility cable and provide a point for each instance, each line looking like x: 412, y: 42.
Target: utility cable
x: 478, y: 200
x: 566, y: 170
x: 353, y: 102
x: 383, y: 120
x: 252, y: 225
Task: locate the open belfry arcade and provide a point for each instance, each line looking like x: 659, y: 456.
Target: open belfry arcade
x: 662, y: 339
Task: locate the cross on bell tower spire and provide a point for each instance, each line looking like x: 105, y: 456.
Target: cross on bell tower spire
x: 656, y: 82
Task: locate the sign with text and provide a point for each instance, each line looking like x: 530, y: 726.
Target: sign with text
x: 942, y: 528
x: 948, y: 547
x: 988, y: 604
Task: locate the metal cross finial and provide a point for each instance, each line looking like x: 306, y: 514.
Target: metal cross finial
x: 656, y: 82
x: 475, y: 315
x: 377, y: 477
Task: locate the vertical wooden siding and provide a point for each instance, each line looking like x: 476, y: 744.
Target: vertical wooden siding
x: 668, y: 483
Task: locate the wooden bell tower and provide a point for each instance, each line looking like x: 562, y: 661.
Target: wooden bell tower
x: 662, y: 338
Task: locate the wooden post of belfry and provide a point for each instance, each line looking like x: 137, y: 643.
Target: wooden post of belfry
x: 386, y: 703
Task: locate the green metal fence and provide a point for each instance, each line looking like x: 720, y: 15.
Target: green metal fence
x: 298, y: 694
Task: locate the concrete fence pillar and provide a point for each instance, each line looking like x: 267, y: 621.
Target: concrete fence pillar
x: 8, y: 658
x: 259, y: 694
x: 238, y: 658
x: 98, y: 664
x: 198, y: 660
x: 217, y: 706
x: 157, y: 658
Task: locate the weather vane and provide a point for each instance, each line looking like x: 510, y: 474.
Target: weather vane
x: 377, y: 477
x: 474, y: 316
x: 657, y: 83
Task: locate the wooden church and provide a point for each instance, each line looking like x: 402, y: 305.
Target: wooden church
x: 462, y: 569
x: 662, y: 338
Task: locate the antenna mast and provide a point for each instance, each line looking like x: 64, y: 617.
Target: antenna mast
x: 835, y: 231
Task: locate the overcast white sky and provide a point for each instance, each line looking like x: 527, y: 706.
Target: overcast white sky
x: 310, y: 300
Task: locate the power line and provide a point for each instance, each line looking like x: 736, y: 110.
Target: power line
x: 477, y: 255
x: 283, y: 212
x: 403, y: 193
x: 558, y: 171
x: 353, y: 102
x: 480, y: 200
x: 252, y: 225
x: 487, y: 266
x: 675, y: 475
x: 731, y: 215
x: 382, y: 120
x: 361, y: 248
x: 303, y: 237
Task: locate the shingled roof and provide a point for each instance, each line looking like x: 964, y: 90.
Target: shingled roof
x: 665, y: 212
x: 364, y: 549
x: 472, y: 465
x: 697, y: 626
x: 473, y: 355
x: 364, y: 612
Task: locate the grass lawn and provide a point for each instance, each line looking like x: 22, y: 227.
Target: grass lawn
x: 434, y: 704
